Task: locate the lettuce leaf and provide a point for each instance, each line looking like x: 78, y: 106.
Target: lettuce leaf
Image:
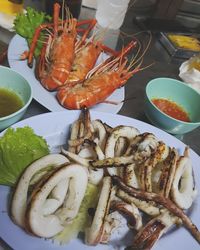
x: 26, y: 23
x: 18, y: 149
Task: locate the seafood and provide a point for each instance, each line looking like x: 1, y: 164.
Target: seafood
x: 86, y: 55
x: 94, y: 233
x: 84, y: 61
x: 55, y: 60
x: 99, y: 84
x: 147, y: 207
x: 19, y: 199
x: 58, y: 52
x: 120, y: 131
x: 153, y: 230
x: 131, y: 210
x: 48, y: 225
x: 161, y: 200
x: 107, y: 215
x: 153, y: 180
x: 183, y: 187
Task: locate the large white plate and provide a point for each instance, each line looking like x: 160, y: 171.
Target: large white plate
x: 17, y: 46
x: 54, y: 127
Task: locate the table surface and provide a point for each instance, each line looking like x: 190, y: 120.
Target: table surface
x: 163, y: 66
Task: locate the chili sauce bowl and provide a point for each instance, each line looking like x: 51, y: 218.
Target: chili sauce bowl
x: 179, y: 93
x: 13, y: 83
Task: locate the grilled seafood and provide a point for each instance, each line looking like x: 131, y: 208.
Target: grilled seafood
x: 19, y: 200
x: 120, y: 131
x: 55, y: 60
x: 183, y: 187
x: 95, y: 232
x: 95, y: 148
x: 100, y: 84
x: 49, y: 224
x: 161, y: 200
x: 58, y: 52
x: 153, y: 230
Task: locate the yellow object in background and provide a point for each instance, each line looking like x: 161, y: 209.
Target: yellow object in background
x: 185, y: 42
x: 11, y: 7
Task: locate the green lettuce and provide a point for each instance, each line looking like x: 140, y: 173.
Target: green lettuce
x: 18, y: 149
x: 26, y: 23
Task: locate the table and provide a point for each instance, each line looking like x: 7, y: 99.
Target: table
x: 164, y: 66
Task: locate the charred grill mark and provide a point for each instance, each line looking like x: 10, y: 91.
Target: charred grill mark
x: 165, y: 202
x: 168, y: 173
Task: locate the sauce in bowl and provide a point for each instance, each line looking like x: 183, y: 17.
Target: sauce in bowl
x: 171, y: 108
x: 9, y: 102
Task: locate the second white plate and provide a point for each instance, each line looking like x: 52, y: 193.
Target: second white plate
x: 55, y: 127
x: 17, y: 46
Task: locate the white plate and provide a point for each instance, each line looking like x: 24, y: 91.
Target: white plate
x: 17, y: 46
x: 54, y: 127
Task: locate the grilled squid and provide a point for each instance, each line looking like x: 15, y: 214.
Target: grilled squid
x: 84, y: 157
x: 183, y: 191
x: 101, y: 133
x: 153, y: 230
x: 49, y: 225
x: 95, y: 232
x: 81, y: 129
x: 146, y: 168
x: 120, y: 131
x: 19, y: 199
x: 130, y: 211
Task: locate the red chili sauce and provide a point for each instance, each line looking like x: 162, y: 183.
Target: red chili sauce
x: 171, y: 108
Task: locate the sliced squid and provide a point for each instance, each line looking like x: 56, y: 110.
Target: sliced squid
x: 85, y: 131
x: 153, y: 230
x: 161, y: 201
x: 101, y: 133
x: 19, y: 199
x: 84, y: 158
x: 114, y: 162
x: 143, y: 146
x: 130, y: 177
x: 183, y: 190
x: 129, y: 210
x: 120, y: 131
x: 96, y: 176
x: 74, y: 134
x: 49, y: 225
x: 111, y: 223
x: 76, y: 158
x: 168, y: 171
x: 56, y: 198
x: 95, y: 232
x: 145, y: 169
x: 149, y: 208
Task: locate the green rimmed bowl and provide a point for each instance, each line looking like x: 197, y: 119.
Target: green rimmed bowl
x: 181, y: 94
x: 14, y: 82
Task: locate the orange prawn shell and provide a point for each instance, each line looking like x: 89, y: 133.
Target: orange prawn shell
x: 61, y: 58
x: 84, y: 61
x: 93, y: 91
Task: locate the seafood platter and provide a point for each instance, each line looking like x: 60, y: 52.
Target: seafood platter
x: 107, y: 182
x: 70, y: 67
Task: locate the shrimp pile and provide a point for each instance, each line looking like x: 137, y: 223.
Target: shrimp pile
x: 140, y: 177
x: 67, y: 63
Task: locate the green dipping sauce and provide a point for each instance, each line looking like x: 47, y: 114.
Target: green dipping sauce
x: 9, y: 102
